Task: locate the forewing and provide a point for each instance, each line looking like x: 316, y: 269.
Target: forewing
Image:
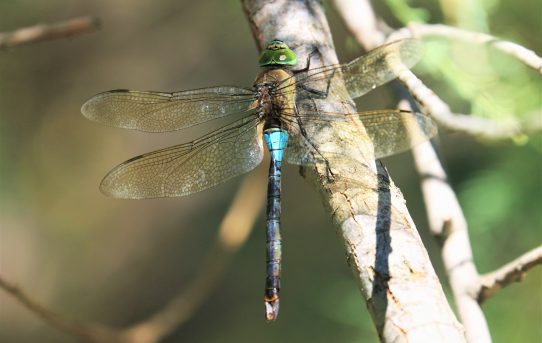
x: 361, y: 75
x: 380, y: 66
x: 161, y: 112
x: 188, y: 168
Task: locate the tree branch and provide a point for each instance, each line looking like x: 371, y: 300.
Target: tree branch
x: 44, y: 32
x: 446, y: 221
x: 448, y: 224
x: 386, y: 254
x: 360, y: 20
x: 514, y: 271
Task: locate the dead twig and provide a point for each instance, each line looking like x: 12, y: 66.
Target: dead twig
x: 44, y: 32
x: 88, y: 332
x: 513, y: 271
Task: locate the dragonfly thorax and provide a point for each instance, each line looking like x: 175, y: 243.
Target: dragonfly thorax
x: 275, y: 90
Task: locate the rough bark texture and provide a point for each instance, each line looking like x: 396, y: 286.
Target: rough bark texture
x: 387, y: 256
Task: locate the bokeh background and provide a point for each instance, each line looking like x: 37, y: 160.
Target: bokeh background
x: 116, y: 261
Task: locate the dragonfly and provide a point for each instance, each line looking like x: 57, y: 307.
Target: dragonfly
x: 268, y: 112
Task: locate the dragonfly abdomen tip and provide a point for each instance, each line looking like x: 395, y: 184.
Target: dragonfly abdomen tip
x: 271, y: 309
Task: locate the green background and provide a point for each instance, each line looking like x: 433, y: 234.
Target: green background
x: 116, y: 261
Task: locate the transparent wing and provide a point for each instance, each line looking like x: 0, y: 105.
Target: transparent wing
x: 365, y: 73
x: 391, y: 132
x: 395, y: 131
x: 378, y: 66
x: 191, y: 167
x: 161, y: 112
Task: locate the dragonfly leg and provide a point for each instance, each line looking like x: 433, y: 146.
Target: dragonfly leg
x: 308, y: 65
x: 303, y: 132
x: 317, y: 94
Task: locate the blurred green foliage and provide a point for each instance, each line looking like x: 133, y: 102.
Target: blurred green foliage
x: 115, y: 262
x: 488, y: 83
x: 406, y: 14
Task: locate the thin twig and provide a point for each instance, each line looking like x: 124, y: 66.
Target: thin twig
x: 44, y: 32
x: 440, y: 111
x: 476, y: 126
x: 522, y: 54
x: 448, y: 224
x: 514, y: 271
x: 93, y: 333
x: 366, y: 30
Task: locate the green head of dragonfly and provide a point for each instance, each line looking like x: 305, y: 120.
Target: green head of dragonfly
x: 276, y: 52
